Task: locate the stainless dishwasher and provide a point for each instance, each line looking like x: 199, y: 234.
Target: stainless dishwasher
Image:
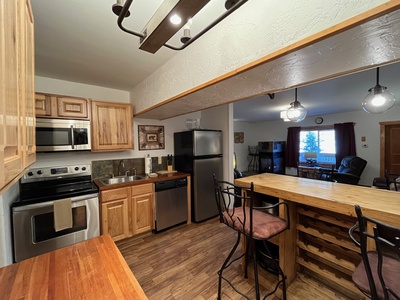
x: 171, y: 203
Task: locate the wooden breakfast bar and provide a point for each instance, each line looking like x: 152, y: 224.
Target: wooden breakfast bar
x: 321, y: 213
x: 93, y: 269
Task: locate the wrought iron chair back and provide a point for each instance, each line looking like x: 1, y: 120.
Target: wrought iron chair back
x: 382, y: 266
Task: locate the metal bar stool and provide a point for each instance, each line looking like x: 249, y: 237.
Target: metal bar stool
x: 378, y: 274
x: 254, y: 223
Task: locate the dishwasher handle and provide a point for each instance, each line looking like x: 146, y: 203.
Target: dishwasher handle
x: 170, y: 184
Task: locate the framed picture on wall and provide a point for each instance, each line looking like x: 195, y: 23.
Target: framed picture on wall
x: 151, y: 137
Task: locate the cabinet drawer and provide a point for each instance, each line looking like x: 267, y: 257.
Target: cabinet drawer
x: 115, y: 194
x: 142, y: 189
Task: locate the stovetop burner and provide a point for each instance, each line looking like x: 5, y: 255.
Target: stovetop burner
x: 53, y: 183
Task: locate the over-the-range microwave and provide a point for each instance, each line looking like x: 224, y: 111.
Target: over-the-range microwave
x: 62, y: 135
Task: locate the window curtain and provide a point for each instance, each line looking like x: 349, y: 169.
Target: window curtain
x: 293, y: 147
x: 345, y: 141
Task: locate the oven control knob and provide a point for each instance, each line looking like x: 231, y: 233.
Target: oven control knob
x: 83, y: 168
x: 40, y: 172
x: 30, y: 173
x: 76, y: 168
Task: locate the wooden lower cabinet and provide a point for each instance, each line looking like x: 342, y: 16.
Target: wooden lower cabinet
x: 115, y: 219
x: 114, y: 213
x: 127, y: 211
x: 142, y: 208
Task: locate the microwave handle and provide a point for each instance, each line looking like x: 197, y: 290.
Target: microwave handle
x: 72, y: 137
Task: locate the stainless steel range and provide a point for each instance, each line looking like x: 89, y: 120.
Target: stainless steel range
x: 33, y: 213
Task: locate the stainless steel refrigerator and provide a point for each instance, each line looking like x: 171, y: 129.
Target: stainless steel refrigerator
x: 199, y: 152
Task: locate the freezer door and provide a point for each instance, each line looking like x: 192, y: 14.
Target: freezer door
x: 204, y: 205
x: 207, y: 142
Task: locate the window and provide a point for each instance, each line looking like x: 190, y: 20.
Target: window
x: 318, y: 145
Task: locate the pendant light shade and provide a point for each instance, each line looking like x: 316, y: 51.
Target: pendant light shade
x: 379, y: 98
x: 296, y: 111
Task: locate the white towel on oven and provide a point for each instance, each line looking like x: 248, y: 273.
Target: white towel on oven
x: 62, y: 214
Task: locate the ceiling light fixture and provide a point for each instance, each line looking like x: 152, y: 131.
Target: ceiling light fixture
x: 175, y: 19
x: 117, y: 7
x: 283, y: 116
x: 379, y: 98
x: 159, y: 30
x: 296, y: 111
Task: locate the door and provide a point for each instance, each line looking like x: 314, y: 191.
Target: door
x: 204, y: 204
x: 390, y: 148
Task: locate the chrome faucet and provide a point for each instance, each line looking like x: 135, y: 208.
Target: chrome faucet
x: 134, y: 171
x: 121, y: 162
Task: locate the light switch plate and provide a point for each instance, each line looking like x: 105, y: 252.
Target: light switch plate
x: 159, y: 160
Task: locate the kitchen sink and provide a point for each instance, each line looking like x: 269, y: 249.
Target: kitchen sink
x: 121, y: 179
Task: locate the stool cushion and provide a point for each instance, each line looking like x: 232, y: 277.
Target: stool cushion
x: 391, y: 274
x: 265, y: 225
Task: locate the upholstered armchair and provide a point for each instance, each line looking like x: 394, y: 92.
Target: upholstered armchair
x: 350, y: 170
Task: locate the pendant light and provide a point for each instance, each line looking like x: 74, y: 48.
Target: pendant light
x: 379, y: 98
x: 296, y: 111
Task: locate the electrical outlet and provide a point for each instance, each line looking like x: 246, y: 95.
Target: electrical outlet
x: 159, y: 160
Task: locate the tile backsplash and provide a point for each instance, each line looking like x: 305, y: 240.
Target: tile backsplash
x: 117, y: 167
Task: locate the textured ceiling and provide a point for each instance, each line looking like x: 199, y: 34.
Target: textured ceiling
x: 374, y: 43
x: 80, y: 41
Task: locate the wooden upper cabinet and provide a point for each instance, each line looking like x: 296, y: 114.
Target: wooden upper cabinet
x: 17, y: 136
x: 112, y: 126
x: 64, y: 107
x: 42, y: 105
x: 73, y: 107
x: 29, y: 107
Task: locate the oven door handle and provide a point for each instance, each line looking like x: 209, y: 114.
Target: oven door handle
x: 51, y: 203
x: 72, y: 137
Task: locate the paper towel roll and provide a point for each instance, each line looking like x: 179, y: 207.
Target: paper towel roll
x: 147, y: 164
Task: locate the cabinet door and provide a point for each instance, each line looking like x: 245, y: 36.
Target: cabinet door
x: 70, y: 107
x: 111, y: 126
x: 115, y: 219
x: 29, y: 90
x: 11, y: 131
x: 142, y: 213
x: 42, y: 105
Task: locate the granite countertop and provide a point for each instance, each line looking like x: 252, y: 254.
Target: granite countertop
x: 160, y: 177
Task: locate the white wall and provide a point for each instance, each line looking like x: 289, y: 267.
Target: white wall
x: 221, y: 118
x: 366, y: 125
x: 69, y: 88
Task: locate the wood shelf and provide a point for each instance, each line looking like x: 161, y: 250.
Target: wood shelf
x: 344, y: 265
x: 335, y: 277
x: 328, y: 237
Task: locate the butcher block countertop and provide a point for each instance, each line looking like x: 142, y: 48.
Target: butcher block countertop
x: 93, y: 269
x: 379, y: 204
x: 160, y: 177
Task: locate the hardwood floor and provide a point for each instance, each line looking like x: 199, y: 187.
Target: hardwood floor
x: 182, y: 264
